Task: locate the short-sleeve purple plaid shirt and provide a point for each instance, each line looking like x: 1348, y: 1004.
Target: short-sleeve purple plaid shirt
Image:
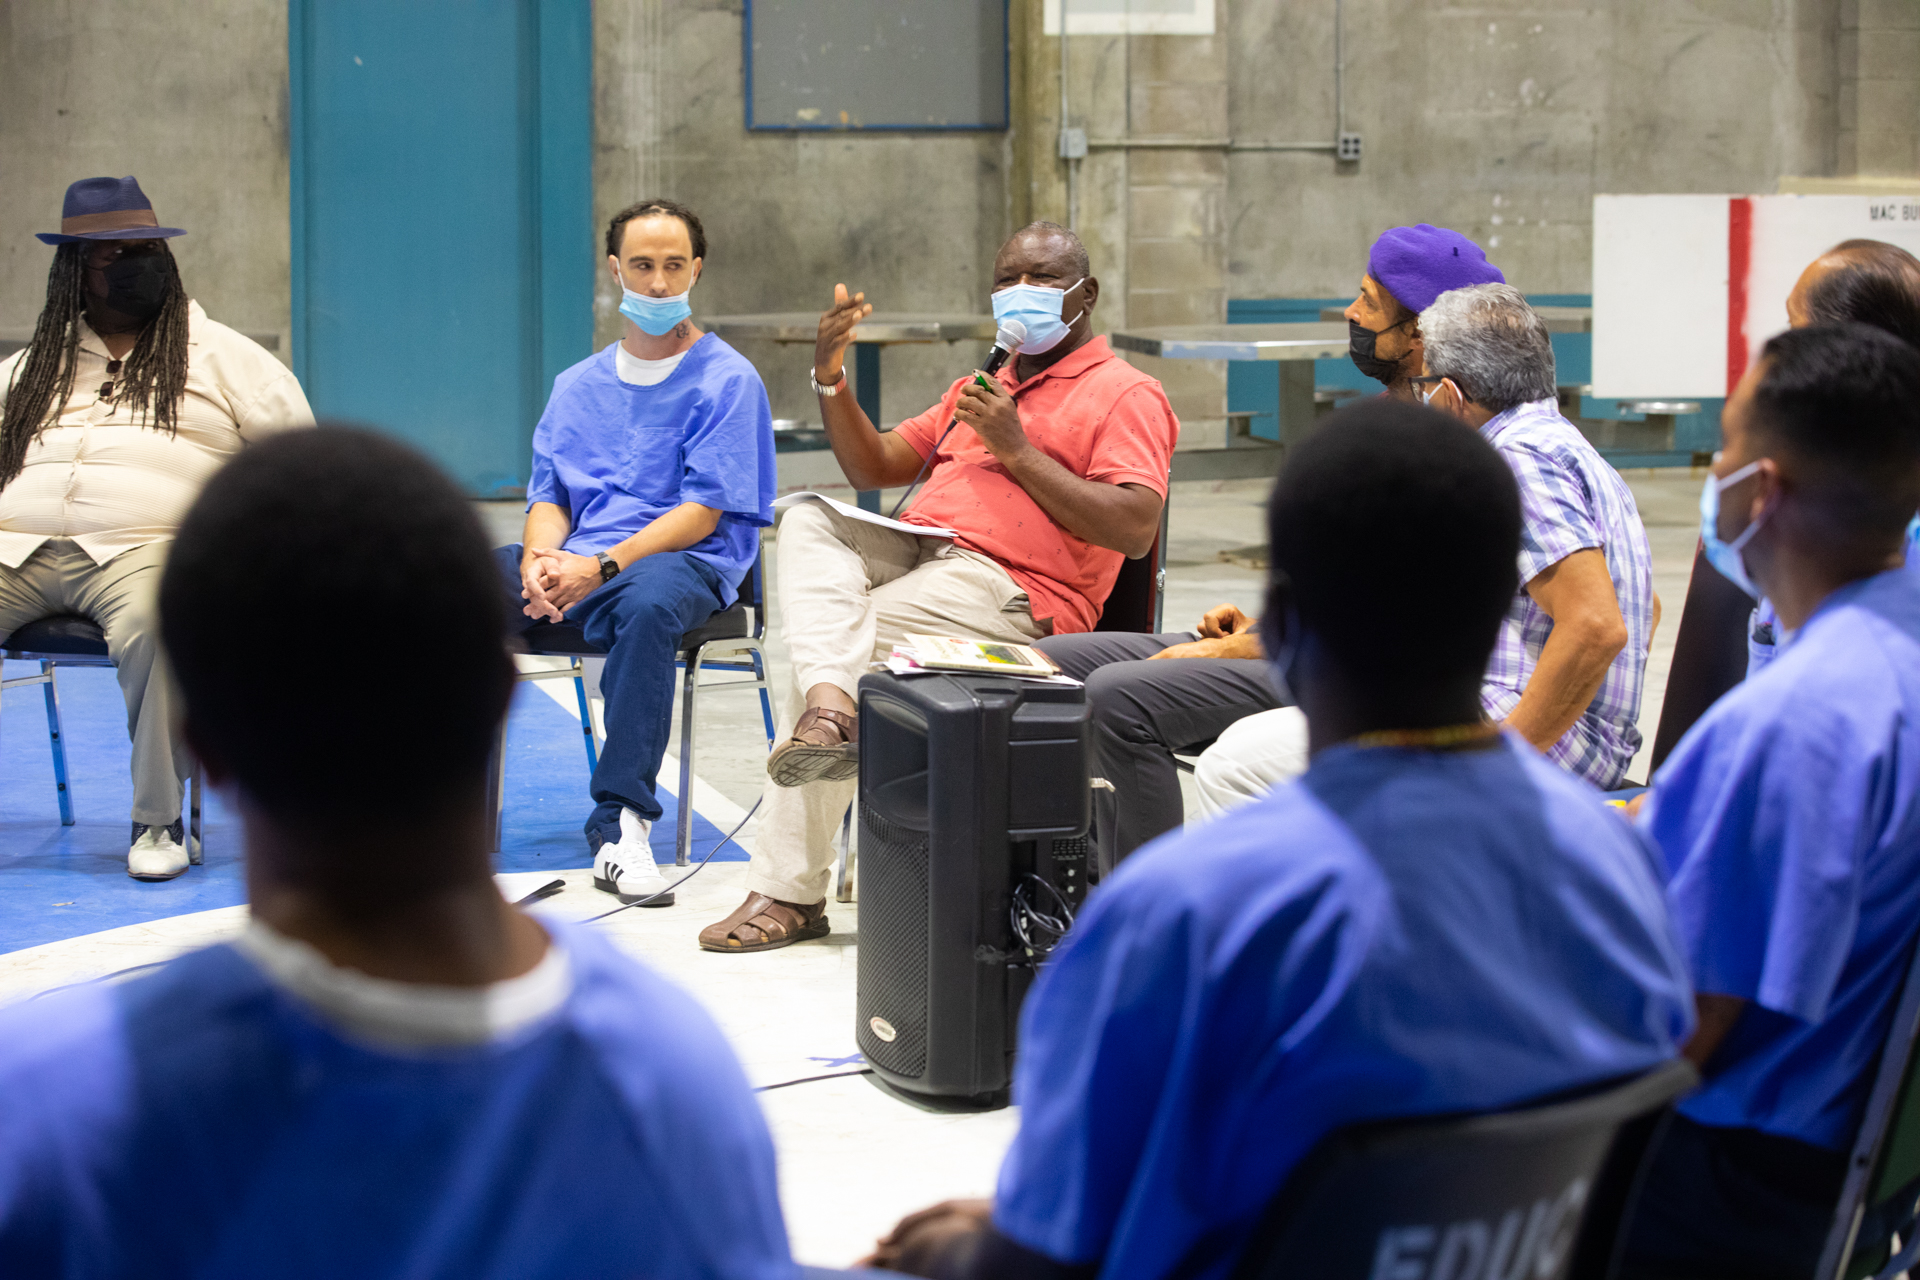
x: 1570, y: 499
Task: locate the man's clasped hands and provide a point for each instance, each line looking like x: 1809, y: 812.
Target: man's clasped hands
x: 552, y: 581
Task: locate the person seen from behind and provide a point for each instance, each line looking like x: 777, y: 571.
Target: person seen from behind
x: 390, y: 1072
x: 1865, y: 281
x: 1789, y: 814
x: 1432, y: 918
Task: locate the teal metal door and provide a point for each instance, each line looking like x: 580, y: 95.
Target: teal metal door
x: 442, y: 219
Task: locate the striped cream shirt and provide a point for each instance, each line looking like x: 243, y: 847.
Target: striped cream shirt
x: 111, y: 484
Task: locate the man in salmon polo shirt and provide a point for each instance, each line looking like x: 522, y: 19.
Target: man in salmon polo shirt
x: 1054, y: 472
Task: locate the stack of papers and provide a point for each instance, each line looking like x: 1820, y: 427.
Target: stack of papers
x: 937, y: 655
x: 870, y: 517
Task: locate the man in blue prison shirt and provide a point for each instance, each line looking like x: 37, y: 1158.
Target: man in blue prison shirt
x: 1432, y: 918
x: 391, y: 1073
x: 1865, y: 281
x: 653, y: 474
x: 1790, y: 813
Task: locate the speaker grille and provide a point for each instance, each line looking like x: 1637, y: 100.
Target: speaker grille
x: 893, y: 944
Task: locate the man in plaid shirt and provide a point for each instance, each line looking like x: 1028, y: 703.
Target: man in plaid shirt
x: 1571, y: 659
x: 1568, y: 668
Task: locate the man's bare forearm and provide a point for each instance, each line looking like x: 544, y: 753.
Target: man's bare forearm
x: 677, y: 530
x: 547, y: 526
x: 1119, y: 517
x: 870, y: 458
x: 1573, y: 664
x: 1716, y: 1016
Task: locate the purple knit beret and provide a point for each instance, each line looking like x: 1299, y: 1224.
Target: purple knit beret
x: 1418, y: 264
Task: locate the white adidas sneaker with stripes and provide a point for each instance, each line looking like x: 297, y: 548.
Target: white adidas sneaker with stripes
x: 625, y: 868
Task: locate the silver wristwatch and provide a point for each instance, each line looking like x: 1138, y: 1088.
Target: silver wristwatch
x: 833, y: 390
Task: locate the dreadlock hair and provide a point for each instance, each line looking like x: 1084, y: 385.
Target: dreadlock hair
x: 152, y: 379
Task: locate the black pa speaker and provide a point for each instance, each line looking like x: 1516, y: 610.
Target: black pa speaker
x: 973, y: 808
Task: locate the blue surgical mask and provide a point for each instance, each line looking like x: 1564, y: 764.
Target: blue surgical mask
x: 656, y: 316
x: 1038, y: 308
x: 1725, y: 556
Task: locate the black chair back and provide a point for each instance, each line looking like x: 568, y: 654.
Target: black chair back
x: 1709, y: 653
x: 1134, y: 602
x: 1537, y: 1192
x: 1882, y: 1191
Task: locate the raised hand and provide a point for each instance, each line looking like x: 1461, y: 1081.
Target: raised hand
x: 837, y: 324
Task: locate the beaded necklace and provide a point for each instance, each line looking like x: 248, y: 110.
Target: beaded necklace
x: 1451, y: 737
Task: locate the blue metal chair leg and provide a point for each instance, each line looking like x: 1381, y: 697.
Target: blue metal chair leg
x: 195, y: 854
x: 497, y: 786
x: 683, y: 817
x: 766, y: 703
x: 51, y: 690
x: 586, y: 715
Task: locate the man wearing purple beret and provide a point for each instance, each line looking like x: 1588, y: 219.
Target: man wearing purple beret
x: 1408, y: 268
x: 1154, y: 695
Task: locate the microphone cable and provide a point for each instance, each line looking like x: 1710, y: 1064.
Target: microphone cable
x: 1005, y: 343
x: 698, y: 867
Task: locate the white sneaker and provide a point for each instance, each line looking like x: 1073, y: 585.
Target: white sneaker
x: 157, y: 853
x: 625, y: 868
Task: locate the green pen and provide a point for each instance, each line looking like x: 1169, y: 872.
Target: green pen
x: 981, y: 378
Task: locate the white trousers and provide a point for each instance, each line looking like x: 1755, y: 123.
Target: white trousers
x: 849, y: 591
x: 1250, y: 758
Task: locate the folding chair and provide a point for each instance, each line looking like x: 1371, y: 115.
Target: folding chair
x: 738, y: 631
x: 1538, y: 1191
x: 70, y: 640
x: 1135, y: 602
x: 1876, y: 1225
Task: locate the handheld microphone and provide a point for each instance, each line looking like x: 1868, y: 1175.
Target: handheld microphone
x: 1005, y: 343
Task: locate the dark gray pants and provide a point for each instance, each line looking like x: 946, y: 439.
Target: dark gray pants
x: 1144, y: 711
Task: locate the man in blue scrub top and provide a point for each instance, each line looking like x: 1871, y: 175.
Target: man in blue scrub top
x: 391, y: 1072
x: 1790, y: 813
x: 1432, y: 918
x: 653, y: 475
x: 1869, y: 282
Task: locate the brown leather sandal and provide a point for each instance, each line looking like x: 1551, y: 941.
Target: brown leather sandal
x: 796, y: 762
x: 766, y: 924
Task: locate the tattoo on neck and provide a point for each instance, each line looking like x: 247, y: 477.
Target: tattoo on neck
x: 682, y: 330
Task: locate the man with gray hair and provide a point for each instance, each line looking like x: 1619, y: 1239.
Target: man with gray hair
x: 1570, y: 662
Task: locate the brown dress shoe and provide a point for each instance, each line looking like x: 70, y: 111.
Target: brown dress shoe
x: 766, y: 924
x: 829, y: 749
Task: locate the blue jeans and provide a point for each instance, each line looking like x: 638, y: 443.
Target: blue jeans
x: 637, y: 619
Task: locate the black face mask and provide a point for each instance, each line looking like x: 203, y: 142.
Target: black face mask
x: 1360, y: 350
x: 138, y: 287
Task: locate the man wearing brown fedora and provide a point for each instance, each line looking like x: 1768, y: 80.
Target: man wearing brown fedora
x: 123, y: 404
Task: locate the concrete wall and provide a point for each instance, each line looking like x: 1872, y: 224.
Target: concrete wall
x: 1501, y: 118
x: 1879, y: 106
x: 190, y: 99
x: 1503, y: 121
x: 912, y: 219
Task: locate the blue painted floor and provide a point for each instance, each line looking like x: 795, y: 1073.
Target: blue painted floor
x: 59, y: 882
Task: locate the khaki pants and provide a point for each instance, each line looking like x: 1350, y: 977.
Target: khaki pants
x: 849, y: 591
x: 122, y: 596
